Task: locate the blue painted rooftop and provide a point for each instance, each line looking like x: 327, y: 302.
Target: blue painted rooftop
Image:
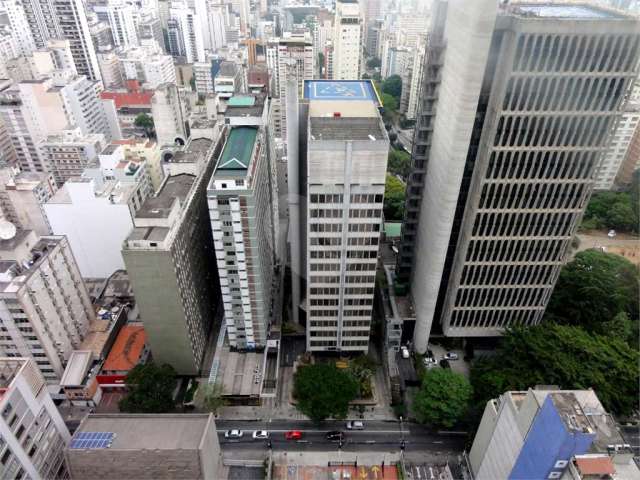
x: 340, y: 90
x: 573, y: 12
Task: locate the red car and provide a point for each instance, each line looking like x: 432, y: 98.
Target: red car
x: 293, y: 435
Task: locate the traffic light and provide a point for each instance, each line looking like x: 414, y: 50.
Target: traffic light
x: 402, y: 444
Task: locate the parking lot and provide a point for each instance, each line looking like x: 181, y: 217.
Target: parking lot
x: 459, y: 366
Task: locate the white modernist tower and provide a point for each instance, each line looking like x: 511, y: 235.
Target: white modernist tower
x: 516, y: 110
x: 346, y: 163
x: 347, y: 41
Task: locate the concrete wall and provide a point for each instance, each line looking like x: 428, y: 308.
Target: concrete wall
x: 111, y: 464
x: 95, y: 228
x: 155, y: 287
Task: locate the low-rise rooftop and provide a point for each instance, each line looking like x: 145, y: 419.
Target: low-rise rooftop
x: 174, y: 187
x: 150, y: 431
x: 127, y: 349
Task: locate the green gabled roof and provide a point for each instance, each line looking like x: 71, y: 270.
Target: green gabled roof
x: 237, y: 151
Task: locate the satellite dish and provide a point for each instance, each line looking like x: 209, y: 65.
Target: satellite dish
x: 7, y: 230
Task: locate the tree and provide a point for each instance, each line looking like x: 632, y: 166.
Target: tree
x: 211, y: 395
x: 612, y: 210
x: 393, y: 86
x: 389, y: 103
x: 552, y: 354
x: 323, y: 391
x: 362, y: 369
x: 150, y: 389
x: 394, y: 195
x: 443, y: 398
x: 399, y: 163
x: 622, y: 327
x: 146, y: 122
x: 593, y: 289
x: 374, y: 63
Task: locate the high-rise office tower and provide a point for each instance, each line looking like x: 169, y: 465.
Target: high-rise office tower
x: 240, y: 207
x: 45, y: 307
x: 347, y: 41
x: 33, y: 432
x: 346, y: 162
x: 504, y: 156
x: 170, y: 259
x: 64, y: 19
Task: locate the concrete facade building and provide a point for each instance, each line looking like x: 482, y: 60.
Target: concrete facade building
x: 95, y: 212
x: 347, y: 41
x: 22, y: 195
x: 289, y: 57
x: 169, y: 116
x: 147, y: 447
x: 346, y: 162
x: 34, y: 435
x: 19, y: 27
x: 45, y: 310
x: 186, y: 33
x: 149, y: 65
x: 120, y: 17
x: 538, y: 433
x: 228, y: 80
x: 502, y: 175
x: 240, y: 207
x: 170, y: 259
x: 67, y: 155
x: 612, y: 161
x: 631, y: 162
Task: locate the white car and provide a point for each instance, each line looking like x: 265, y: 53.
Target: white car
x: 260, y: 435
x: 233, y: 434
x: 405, y: 352
x: 355, y: 425
x: 451, y: 356
x: 611, y: 234
x: 429, y: 361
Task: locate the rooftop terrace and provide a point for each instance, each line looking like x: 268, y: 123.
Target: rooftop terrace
x: 176, y: 186
x: 341, y: 90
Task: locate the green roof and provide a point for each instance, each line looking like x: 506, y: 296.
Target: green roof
x: 392, y: 229
x: 241, y: 101
x: 237, y: 151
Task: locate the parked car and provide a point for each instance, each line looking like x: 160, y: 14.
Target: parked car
x: 404, y: 351
x: 233, y: 434
x: 451, y: 356
x: 293, y: 435
x: 260, y: 435
x: 355, y: 425
x: 428, y: 361
x: 611, y: 234
x: 336, y: 435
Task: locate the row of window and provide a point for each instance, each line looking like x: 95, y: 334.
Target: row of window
x: 517, y: 224
x: 527, y: 250
x: 508, y: 275
x: 326, y: 291
x: 533, y: 195
x: 542, y: 165
x: 495, y: 318
x: 501, y: 297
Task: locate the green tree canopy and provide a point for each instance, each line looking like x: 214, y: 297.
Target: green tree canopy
x: 399, y: 162
x: 394, y: 195
x: 389, y: 103
x: 374, y: 62
x: 150, y: 389
x: 393, y: 86
x: 612, y: 210
x: 146, y: 122
x: 551, y: 354
x: 593, y: 289
x: 324, y: 391
x: 443, y: 398
x: 211, y: 396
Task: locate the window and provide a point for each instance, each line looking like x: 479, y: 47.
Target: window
x: 560, y: 464
x: 239, y: 183
x: 555, y: 475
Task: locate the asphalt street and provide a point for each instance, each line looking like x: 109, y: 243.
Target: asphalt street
x: 377, y: 436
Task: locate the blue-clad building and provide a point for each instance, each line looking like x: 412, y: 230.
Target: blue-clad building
x: 538, y: 434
